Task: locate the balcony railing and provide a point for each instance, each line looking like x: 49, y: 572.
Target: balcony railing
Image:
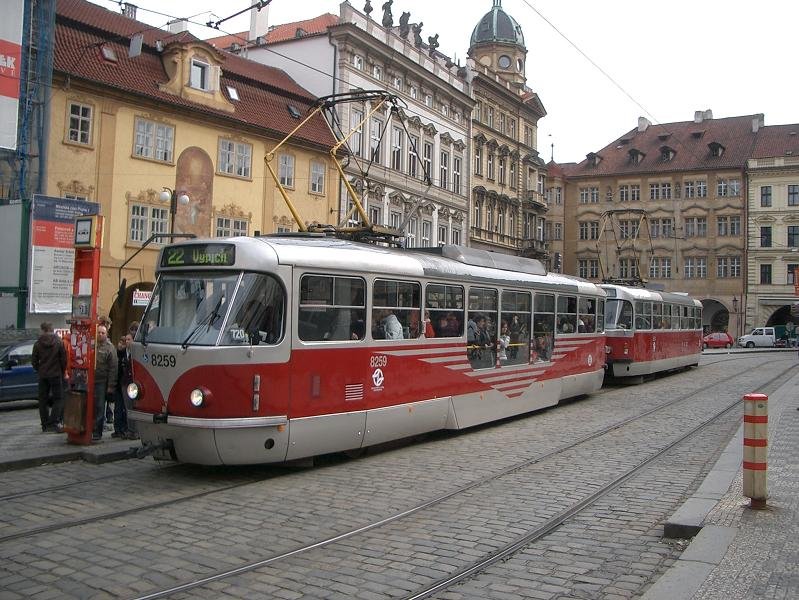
x: 535, y: 200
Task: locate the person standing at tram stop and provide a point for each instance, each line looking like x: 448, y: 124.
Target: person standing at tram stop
x: 105, y: 374
x: 49, y: 360
x: 109, y: 400
x: 122, y: 427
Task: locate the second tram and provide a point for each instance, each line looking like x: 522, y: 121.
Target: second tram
x: 650, y: 331
x: 274, y: 348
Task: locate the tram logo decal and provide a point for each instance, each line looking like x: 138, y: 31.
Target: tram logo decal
x: 377, y: 379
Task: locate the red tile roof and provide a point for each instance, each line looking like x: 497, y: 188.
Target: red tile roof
x: 777, y: 140
x: 264, y: 92
x: 689, y: 141
x: 281, y: 33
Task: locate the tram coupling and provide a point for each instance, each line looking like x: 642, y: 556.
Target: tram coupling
x: 150, y: 448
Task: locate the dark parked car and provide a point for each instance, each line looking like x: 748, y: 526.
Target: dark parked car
x: 718, y: 339
x: 18, y: 380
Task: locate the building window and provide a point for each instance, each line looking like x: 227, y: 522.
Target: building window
x: 765, y: 195
x: 728, y: 187
x: 512, y: 174
x: 528, y: 135
x: 557, y: 232
x: 478, y: 216
x: 443, y: 170
x: 226, y: 227
x: 635, y: 193
x: 582, y: 268
x: 696, y: 227
x: 490, y: 117
x: 512, y: 128
x: 154, y: 140
x: 80, y: 123
x: 377, y: 72
x: 413, y: 156
x: 427, y: 232
x: 397, y: 82
x: 765, y: 237
x: 356, y: 141
x: 357, y: 62
x: 376, y: 130
x: 427, y: 159
x: 410, y: 232
x: 660, y: 228
x: 624, y: 193
x: 428, y: 100
x: 728, y: 266
x: 500, y: 221
x: 286, y: 170
x: 375, y: 215
x: 200, y: 78
x: 688, y: 189
x: 791, y: 273
x: 490, y: 166
x: 456, y: 174
x: 628, y: 268
x: 628, y: 229
x: 397, y: 139
x: 395, y: 220
x: 442, y: 235
x: 558, y: 195
x: 665, y: 191
x: 414, y: 91
x: 701, y: 189
x: 317, y: 177
x: 235, y: 158
x: 793, y: 236
x: 489, y: 218
x: 765, y: 274
x: 654, y: 191
x: 478, y: 159
x: 456, y: 237
x: 696, y: 267
x: 589, y: 195
x: 660, y: 267
x: 793, y: 195
x: 588, y: 230
x: 146, y: 220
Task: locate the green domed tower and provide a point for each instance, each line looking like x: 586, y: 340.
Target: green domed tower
x: 497, y: 42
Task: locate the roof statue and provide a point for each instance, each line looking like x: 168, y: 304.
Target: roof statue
x: 404, y: 28
x: 417, y: 33
x: 388, y: 19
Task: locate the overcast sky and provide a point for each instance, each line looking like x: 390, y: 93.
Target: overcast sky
x: 597, y: 66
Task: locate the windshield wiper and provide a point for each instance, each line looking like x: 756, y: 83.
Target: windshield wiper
x: 206, y: 322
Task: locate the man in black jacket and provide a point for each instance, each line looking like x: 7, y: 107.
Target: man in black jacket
x: 49, y: 360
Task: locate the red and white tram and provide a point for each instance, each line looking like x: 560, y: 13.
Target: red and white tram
x: 650, y: 331
x: 268, y: 349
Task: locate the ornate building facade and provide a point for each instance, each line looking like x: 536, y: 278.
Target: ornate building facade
x: 390, y: 151
x: 773, y: 253
x: 180, y: 115
x: 508, y: 201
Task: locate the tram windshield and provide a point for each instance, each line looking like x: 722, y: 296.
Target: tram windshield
x: 618, y: 314
x: 214, y: 308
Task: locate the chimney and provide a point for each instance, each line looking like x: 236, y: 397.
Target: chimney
x: 643, y: 124
x: 129, y: 10
x: 178, y: 26
x: 708, y: 115
x: 698, y: 116
x: 758, y: 121
x: 259, y: 21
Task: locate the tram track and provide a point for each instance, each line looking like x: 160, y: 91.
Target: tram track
x: 110, y: 515
x: 509, y: 549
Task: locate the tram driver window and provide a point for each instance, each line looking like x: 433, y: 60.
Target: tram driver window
x: 332, y: 309
x: 257, y: 316
x: 396, y: 310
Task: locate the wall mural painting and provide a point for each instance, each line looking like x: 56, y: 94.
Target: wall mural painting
x: 195, y: 178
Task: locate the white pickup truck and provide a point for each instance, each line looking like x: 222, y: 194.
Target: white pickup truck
x: 760, y: 336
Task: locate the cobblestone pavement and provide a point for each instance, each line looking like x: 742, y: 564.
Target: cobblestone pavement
x: 613, y: 551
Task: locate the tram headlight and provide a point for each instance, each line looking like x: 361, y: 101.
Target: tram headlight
x: 197, y: 397
x: 133, y: 390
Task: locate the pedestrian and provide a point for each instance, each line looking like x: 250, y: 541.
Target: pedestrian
x: 49, y: 360
x: 123, y: 378
x: 105, y: 374
x: 109, y: 400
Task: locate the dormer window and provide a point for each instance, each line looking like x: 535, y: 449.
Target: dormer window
x: 666, y: 153
x: 200, y: 78
x: 593, y: 159
x: 716, y: 149
x: 635, y: 156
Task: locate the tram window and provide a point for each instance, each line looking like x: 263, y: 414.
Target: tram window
x: 685, y: 322
x: 666, y: 316
x: 481, y: 330
x: 445, y: 305
x: 600, y: 316
x: 396, y: 308
x: 586, y: 319
x: 544, y: 326
x: 643, y: 314
x: 331, y: 308
x: 618, y: 314
x: 657, y: 315
x: 514, y: 329
x: 567, y: 314
x: 257, y: 315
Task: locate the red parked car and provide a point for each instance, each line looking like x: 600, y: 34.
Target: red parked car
x: 718, y: 339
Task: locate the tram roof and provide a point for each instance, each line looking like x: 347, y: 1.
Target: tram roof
x: 331, y: 254
x: 639, y: 293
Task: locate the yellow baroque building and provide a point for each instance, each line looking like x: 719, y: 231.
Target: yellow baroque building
x: 183, y: 117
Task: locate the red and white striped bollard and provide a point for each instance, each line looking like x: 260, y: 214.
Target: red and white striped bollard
x: 755, y: 449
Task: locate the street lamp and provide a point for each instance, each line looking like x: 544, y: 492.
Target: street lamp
x: 172, y: 196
